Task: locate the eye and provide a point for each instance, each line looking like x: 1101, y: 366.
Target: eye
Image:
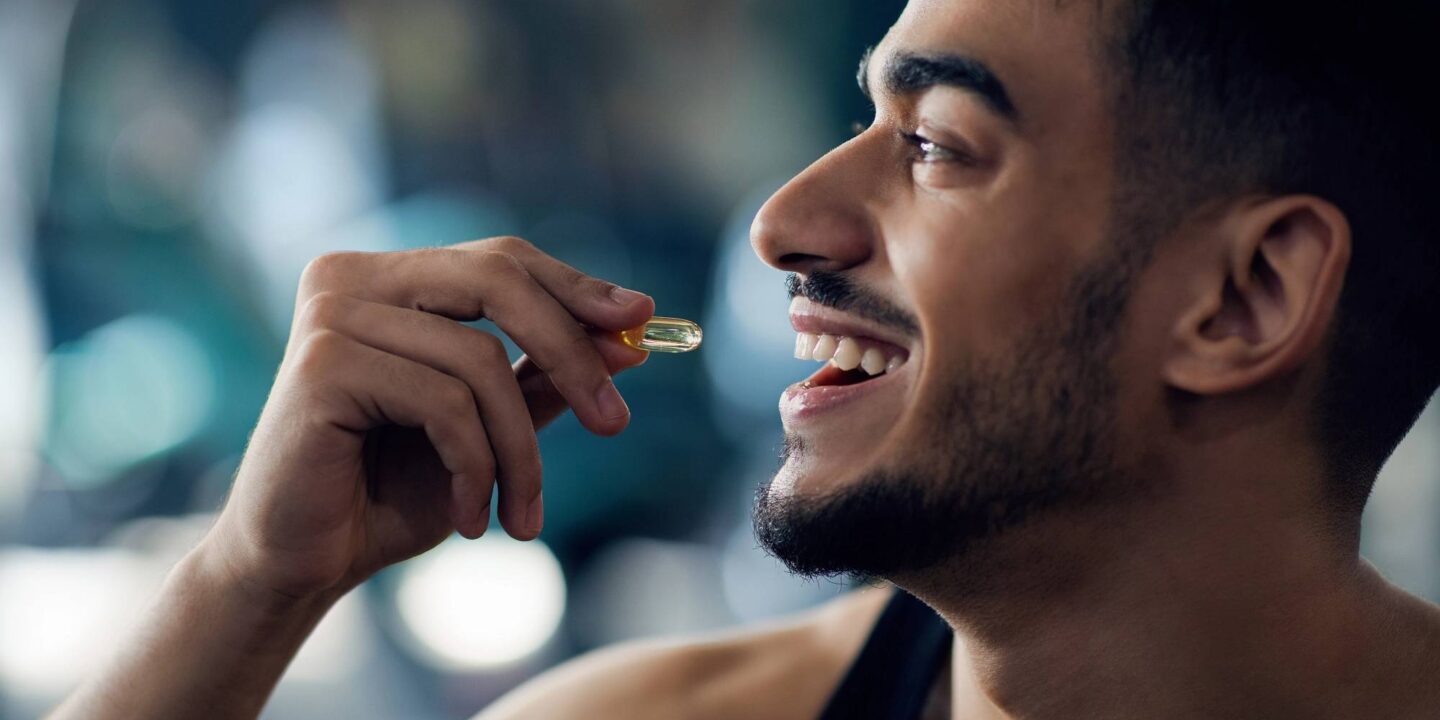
x: 928, y: 151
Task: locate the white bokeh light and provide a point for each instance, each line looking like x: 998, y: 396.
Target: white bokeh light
x: 61, y: 611
x: 305, y: 155
x: 474, y: 605
x: 32, y: 50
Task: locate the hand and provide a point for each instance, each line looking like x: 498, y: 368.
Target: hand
x: 390, y: 422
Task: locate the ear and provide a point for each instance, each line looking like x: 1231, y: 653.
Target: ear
x: 1267, y: 302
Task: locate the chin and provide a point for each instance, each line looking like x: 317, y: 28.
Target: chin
x: 865, y: 524
x: 814, y: 469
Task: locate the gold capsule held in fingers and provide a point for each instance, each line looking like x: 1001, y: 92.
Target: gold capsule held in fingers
x: 664, y: 334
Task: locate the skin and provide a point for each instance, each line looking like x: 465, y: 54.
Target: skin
x: 1232, y: 591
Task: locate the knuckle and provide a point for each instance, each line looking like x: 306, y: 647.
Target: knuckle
x: 572, y: 358
x: 510, y: 244
x: 499, y: 263
x: 482, y: 468
x: 570, y: 277
x: 487, y: 464
x: 579, y: 345
x: 594, y: 286
x: 324, y: 309
x: 490, y: 349
x: 326, y: 270
x: 580, y: 349
x: 456, y: 399
x: 322, y: 351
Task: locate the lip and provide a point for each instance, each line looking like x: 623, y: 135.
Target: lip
x: 802, y: 401
x: 809, y: 317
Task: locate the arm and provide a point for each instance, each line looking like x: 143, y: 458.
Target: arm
x: 210, y: 647
x: 388, y: 428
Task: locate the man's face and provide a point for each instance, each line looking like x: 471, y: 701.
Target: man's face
x: 964, y: 237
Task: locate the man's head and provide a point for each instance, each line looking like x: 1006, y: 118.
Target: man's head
x: 1107, y: 240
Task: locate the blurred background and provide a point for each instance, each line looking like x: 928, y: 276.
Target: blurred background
x: 167, y: 167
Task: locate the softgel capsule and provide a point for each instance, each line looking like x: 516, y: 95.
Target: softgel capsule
x: 664, y: 334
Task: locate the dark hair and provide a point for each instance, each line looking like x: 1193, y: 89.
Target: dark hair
x: 1219, y: 98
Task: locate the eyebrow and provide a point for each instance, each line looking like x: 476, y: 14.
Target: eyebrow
x: 910, y: 73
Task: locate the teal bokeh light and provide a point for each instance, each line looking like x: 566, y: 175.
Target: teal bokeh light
x: 126, y: 392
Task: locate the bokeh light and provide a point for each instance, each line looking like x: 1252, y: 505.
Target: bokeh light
x: 61, y: 613
x: 304, y: 155
x: 126, y: 392
x: 29, y: 44
x: 21, y: 387
x: 641, y: 588
x: 748, y: 326
x: 473, y: 605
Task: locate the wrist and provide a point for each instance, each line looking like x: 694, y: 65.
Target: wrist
x: 211, y: 574
x: 214, y: 644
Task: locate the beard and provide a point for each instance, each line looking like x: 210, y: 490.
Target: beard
x: 1017, y: 438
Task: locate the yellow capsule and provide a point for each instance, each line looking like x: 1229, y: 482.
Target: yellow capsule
x: 664, y: 334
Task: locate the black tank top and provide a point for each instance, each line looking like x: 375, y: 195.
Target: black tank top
x: 892, y: 676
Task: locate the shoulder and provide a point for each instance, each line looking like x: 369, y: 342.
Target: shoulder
x: 1416, y: 640
x: 1389, y: 671
x: 715, y: 675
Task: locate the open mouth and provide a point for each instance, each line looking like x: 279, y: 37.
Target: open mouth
x: 831, y: 376
x: 848, y: 360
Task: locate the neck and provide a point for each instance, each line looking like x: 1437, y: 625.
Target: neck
x: 1184, y: 607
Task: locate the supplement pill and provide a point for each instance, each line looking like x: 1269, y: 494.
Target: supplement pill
x: 664, y: 334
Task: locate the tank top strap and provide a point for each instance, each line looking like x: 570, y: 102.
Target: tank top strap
x: 892, y: 676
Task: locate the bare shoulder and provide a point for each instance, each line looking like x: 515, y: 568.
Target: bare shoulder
x: 736, y: 673
x: 1390, y: 673
x: 1417, y: 643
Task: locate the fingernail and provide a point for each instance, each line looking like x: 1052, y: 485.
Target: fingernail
x: 621, y: 296
x: 611, y: 405
x: 535, y: 518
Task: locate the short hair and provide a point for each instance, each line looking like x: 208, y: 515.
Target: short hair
x: 1221, y: 98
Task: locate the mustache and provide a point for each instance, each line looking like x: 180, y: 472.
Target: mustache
x: 837, y: 291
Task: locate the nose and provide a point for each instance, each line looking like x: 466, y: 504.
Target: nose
x: 819, y: 221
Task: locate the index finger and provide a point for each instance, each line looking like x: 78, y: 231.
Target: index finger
x: 450, y: 281
x: 595, y: 302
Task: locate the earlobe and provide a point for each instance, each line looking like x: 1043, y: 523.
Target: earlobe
x: 1268, y: 299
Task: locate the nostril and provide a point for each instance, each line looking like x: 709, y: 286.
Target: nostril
x: 820, y: 220
x: 799, y: 262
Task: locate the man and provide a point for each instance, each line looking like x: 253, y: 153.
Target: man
x: 1151, y: 284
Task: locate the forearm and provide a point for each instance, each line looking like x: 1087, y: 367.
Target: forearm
x: 209, y: 647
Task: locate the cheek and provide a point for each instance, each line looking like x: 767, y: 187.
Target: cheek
x: 977, y: 291
x: 971, y: 284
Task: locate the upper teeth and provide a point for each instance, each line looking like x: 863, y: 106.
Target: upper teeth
x: 845, y: 353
